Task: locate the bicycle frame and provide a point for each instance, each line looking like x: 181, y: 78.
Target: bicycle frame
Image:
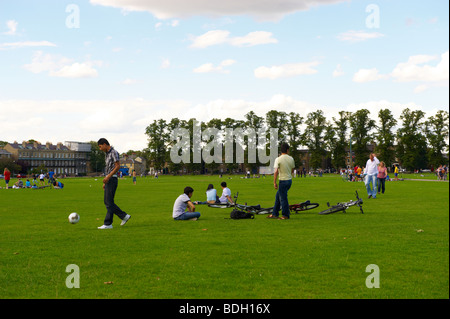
x: 344, y: 206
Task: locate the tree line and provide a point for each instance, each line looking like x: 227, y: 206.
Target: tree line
x: 413, y: 140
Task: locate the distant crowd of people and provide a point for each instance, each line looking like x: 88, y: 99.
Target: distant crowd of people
x: 34, y: 183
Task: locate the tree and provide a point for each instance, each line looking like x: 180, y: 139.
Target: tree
x: 436, y: 132
x: 313, y: 137
x: 361, y: 126
x: 252, y: 122
x: 276, y: 119
x: 385, y: 137
x: 157, y: 140
x: 412, y: 145
x: 294, y: 136
x: 338, y: 144
x: 97, y: 158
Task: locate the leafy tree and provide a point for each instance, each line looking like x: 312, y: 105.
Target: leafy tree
x: 97, y: 158
x: 294, y: 136
x: 436, y: 132
x: 276, y: 119
x: 313, y: 137
x: 361, y: 126
x: 412, y: 145
x: 338, y: 143
x: 157, y: 139
x: 385, y: 137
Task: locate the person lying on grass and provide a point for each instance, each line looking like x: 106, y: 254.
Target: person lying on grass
x: 182, y: 203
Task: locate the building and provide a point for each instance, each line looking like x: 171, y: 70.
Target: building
x: 4, y: 154
x: 133, y: 163
x: 62, y: 159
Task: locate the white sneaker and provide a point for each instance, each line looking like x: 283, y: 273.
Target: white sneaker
x: 195, y: 218
x: 125, y: 219
x: 105, y: 227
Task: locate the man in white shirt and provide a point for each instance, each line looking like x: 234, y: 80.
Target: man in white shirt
x: 371, y: 171
x: 226, y: 194
x: 284, y: 166
x: 181, y: 203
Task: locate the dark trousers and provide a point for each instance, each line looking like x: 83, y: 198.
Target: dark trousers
x: 281, y: 199
x: 111, y: 207
x: 381, y: 184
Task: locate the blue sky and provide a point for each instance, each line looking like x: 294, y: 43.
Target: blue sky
x: 81, y: 70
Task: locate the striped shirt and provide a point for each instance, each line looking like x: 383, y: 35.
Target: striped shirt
x: 112, y: 156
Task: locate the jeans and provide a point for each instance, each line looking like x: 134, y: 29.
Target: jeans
x: 188, y: 215
x: 381, y: 184
x: 111, y: 207
x: 371, y: 179
x: 281, y: 199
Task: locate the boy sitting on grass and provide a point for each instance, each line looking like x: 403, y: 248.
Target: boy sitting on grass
x: 181, y: 203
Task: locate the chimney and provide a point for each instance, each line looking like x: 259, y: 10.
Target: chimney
x: 24, y: 144
x: 36, y: 144
x: 59, y: 146
x: 47, y: 145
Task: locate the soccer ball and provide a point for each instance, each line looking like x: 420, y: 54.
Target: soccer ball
x: 74, y: 218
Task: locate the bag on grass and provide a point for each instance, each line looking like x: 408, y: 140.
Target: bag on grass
x: 238, y: 214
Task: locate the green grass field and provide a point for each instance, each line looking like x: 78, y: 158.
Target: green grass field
x: 405, y: 232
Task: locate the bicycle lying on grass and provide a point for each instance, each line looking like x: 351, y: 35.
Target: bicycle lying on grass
x: 257, y: 209
x: 339, y: 207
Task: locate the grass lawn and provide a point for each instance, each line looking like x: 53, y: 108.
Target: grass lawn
x: 405, y: 232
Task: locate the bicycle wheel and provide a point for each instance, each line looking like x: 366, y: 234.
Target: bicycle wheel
x: 263, y: 211
x: 333, y: 209
x: 302, y: 207
x: 219, y: 205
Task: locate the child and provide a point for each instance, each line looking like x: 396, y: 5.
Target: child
x: 181, y: 203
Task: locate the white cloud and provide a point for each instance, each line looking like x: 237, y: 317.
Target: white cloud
x: 253, y: 38
x: 358, y: 36
x: 367, y: 75
x: 261, y: 10
x: 165, y: 64
x: 129, y: 81
x: 24, y: 44
x: 75, y: 70
x: 285, y: 70
x: 209, y: 67
x: 338, y: 71
x: 216, y: 37
x: 58, y: 66
x: 418, y: 68
x: 12, y: 27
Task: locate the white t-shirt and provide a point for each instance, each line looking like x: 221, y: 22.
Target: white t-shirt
x: 180, y: 205
x: 223, y: 198
x: 372, y: 166
x: 284, y: 164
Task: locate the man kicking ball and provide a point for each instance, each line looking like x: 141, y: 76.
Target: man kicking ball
x: 110, y: 183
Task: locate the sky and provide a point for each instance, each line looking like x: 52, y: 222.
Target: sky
x: 82, y: 70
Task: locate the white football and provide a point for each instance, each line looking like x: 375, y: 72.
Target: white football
x: 74, y: 218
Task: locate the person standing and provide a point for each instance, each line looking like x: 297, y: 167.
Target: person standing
x: 7, y: 175
x: 110, y: 183
x: 382, y: 173
x: 284, y: 166
x: 372, y: 172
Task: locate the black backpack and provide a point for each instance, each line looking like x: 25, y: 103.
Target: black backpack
x: 238, y: 214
